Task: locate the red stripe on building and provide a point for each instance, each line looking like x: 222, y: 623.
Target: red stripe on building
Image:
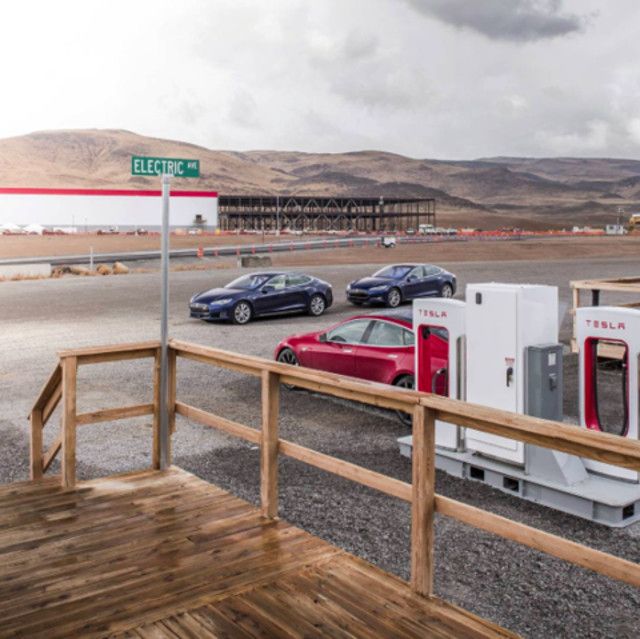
x: 101, y: 192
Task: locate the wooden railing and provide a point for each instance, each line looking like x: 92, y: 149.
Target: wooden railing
x: 595, y: 287
x: 62, y: 386
x: 425, y: 409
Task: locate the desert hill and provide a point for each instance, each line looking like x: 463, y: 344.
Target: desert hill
x: 488, y: 192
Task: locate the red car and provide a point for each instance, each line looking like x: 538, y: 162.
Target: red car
x: 377, y: 347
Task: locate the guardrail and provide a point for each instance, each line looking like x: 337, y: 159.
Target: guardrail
x: 424, y: 408
x: 243, y: 250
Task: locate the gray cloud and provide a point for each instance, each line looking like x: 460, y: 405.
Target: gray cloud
x: 512, y: 20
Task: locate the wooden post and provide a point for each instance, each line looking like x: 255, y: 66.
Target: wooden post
x: 172, y: 394
x: 269, y: 444
x: 155, y: 454
x: 423, y: 501
x: 69, y: 384
x: 36, y: 444
x: 575, y: 299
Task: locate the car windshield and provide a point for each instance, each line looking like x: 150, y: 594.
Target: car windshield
x: 394, y: 272
x: 248, y: 281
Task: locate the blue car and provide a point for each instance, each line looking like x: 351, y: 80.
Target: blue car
x: 263, y: 294
x: 398, y: 283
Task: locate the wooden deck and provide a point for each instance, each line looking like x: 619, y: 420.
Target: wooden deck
x: 165, y: 554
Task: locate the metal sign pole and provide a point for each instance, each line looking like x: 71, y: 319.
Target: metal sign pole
x: 164, y: 328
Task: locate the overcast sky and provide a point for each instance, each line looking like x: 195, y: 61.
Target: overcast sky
x: 426, y: 78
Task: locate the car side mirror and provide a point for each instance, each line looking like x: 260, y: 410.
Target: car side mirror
x: 322, y: 338
x: 410, y: 278
x: 267, y: 289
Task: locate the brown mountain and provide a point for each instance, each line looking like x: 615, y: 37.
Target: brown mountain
x: 489, y: 192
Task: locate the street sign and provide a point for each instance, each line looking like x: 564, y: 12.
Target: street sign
x: 166, y: 168
x: 141, y: 165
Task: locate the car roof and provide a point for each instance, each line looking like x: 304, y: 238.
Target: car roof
x: 403, y: 314
x: 413, y: 265
x: 274, y: 273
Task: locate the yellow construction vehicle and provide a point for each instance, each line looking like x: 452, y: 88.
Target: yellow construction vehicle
x: 634, y: 222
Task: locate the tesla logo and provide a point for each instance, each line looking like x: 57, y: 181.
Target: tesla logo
x: 612, y: 326
x: 431, y: 313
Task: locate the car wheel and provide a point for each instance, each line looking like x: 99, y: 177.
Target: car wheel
x: 287, y: 356
x: 317, y: 305
x: 406, y: 382
x: 394, y: 298
x: 446, y: 291
x: 242, y: 313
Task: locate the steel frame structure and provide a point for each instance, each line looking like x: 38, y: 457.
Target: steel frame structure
x: 311, y: 213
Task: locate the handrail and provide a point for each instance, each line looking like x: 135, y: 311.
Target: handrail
x: 371, y: 393
x: 48, y: 388
x: 425, y: 408
x: 111, y: 353
x: 41, y: 412
x: 541, y: 432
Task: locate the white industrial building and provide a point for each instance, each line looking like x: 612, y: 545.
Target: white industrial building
x: 90, y: 208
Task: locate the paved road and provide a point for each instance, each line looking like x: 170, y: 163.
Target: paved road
x: 39, y: 318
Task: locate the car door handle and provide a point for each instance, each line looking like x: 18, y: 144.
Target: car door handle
x: 347, y: 350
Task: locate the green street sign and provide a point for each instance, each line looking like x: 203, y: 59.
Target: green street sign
x: 175, y: 167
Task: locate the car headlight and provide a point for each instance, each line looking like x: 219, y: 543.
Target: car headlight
x: 224, y: 300
x: 349, y: 286
x: 377, y: 289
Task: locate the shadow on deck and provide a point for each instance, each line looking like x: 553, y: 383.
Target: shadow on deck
x: 165, y: 554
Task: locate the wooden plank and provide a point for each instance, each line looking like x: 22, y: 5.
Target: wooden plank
x: 575, y: 440
x: 214, y: 421
x: 52, y: 404
x: 622, y: 284
x: 107, y: 349
x: 395, y: 594
x: 269, y: 444
x: 69, y: 382
x: 35, y: 444
x: 347, y: 470
x: 155, y: 446
x: 194, y: 356
x: 114, y: 414
x: 118, y: 356
x: 171, y: 400
x: 422, y: 500
x: 353, y: 392
x: 570, y: 551
x: 51, y: 454
x: 47, y: 389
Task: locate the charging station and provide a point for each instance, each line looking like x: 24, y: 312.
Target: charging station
x: 503, y: 352
x: 440, y: 337
x: 609, y: 325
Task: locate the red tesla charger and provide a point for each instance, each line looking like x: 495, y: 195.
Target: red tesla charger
x: 377, y: 347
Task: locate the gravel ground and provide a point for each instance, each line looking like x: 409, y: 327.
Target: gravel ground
x: 528, y: 592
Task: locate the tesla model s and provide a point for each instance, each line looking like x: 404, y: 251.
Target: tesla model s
x: 259, y: 294
x: 398, y: 283
x: 377, y: 347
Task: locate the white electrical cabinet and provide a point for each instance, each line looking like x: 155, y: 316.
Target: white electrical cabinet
x: 502, y: 320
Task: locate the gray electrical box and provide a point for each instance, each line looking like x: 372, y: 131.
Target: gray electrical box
x: 543, y: 381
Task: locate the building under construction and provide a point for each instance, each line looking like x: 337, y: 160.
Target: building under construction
x: 307, y: 213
